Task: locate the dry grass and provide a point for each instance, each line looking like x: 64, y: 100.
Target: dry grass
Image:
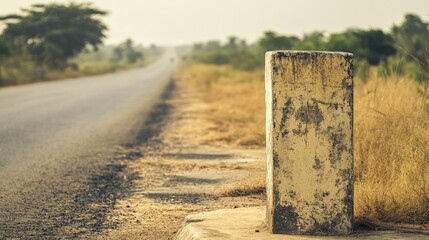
x: 188, y: 165
x: 235, y: 100
x: 17, y: 71
x: 392, y: 151
x: 254, y: 186
x: 391, y: 136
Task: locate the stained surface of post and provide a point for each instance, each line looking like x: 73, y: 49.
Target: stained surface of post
x: 309, y: 102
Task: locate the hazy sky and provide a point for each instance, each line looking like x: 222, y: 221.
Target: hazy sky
x: 171, y: 22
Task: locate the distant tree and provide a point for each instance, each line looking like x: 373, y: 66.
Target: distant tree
x: 197, y: 46
x: 375, y: 45
x: 4, y: 51
x: 272, y: 41
x: 347, y: 41
x: 131, y: 53
x: 232, y: 43
x: 4, y: 47
x: 372, y: 46
x: 312, y: 41
x: 212, y: 45
x: 235, y: 52
x: 118, y: 54
x: 412, y: 40
x: 243, y: 44
x: 54, y: 33
x: 127, y: 51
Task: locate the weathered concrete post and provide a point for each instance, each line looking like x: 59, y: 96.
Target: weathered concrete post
x: 309, y: 102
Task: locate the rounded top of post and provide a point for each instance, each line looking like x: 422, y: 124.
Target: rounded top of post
x: 294, y: 53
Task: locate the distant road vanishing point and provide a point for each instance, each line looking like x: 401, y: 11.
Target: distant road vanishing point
x: 57, y: 140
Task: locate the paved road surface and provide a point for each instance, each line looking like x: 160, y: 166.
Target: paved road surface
x: 58, y: 171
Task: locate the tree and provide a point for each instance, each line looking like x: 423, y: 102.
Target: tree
x: 118, y: 54
x: 312, y: 41
x: 54, y: 33
x: 375, y: 45
x: 213, y: 45
x: 128, y: 51
x: 232, y: 43
x: 412, y: 40
x: 131, y: 53
x: 271, y: 41
x: 372, y: 46
x: 4, y: 47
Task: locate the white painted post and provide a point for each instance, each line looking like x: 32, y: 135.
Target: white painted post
x: 309, y: 104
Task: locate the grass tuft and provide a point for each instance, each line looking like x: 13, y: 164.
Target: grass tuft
x: 256, y: 187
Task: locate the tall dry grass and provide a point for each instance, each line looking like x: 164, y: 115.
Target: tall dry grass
x: 391, y: 138
x: 235, y: 99
x: 392, y: 150
x: 18, y: 70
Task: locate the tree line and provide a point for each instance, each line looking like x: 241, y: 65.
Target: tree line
x: 404, y: 50
x: 47, y: 38
x: 50, y: 34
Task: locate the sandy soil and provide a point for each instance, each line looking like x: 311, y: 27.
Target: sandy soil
x: 173, y: 172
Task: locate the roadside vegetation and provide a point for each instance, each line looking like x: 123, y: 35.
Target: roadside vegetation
x: 391, y: 138
x: 403, y: 51
x: 392, y: 150
x: 57, y: 41
x: 236, y: 100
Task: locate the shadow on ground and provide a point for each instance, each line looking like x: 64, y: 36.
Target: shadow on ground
x: 199, y: 156
x: 180, y: 198
x: 92, y: 204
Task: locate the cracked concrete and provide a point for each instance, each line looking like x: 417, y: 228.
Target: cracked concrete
x: 248, y: 223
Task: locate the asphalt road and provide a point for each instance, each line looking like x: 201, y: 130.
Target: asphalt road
x: 59, y: 171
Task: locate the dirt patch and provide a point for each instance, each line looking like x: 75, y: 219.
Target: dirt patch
x: 175, y: 173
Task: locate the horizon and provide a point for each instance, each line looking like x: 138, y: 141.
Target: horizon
x: 185, y: 22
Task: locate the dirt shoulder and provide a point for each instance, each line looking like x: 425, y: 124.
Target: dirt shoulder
x: 175, y: 172
x: 201, y: 150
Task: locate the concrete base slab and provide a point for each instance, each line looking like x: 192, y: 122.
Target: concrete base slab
x: 247, y: 223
